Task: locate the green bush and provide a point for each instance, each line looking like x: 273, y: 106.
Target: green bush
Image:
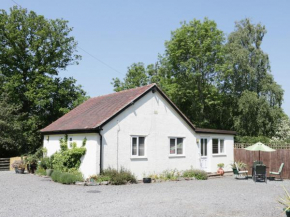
x: 68, y: 159
x: 46, y: 162
x: 40, y: 171
x: 198, y: 174
x: 66, y: 178
x: 251, y: 139
x: 118, y: 178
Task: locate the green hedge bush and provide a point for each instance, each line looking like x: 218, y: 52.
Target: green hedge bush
x: 116, y: 178
x: 68, y: 159
x: 40, y: 171
x: 198, y: 174
x: 66, y: 178
x: 251, y: 139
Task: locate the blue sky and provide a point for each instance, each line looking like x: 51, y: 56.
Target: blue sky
x: 120, y: 33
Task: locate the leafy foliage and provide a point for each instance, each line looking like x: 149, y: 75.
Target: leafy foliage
x: 217, y: 83
x: 40, y: 171
x: 10, y: 127
x: 66, y: 178
x: 285, y: 200
x: 250, y: 139
x: 115, y: 177
x: 197, y: 174
x: 68, y: 160
x: 119, y: 177
x: 33, y: 51
x: 247, y: 82
x: 256, y: 117
x: 282, y: 134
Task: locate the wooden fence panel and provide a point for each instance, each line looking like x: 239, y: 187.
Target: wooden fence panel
x: 272, y: 160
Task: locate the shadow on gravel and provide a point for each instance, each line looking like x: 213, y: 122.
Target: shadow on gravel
x: 93, y: 191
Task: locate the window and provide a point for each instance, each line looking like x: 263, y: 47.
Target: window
x: 176, y: 146
x: 138, y: 146
x: 218, y: 146
x: 203, y: 147
x: 215, y: 146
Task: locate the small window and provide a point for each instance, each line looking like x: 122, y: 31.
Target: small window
x: 218, y: 146
x: 222, y: 148
x: 215, y: 146
x: 176, y: 146
x: 138, y: 146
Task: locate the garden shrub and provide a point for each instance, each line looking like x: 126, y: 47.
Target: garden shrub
x: 252, y: 139
x: 198, y: 174
x: 172, y: 175
x: 66, y: 178
x: 117, y: 178
x: 68, y: 160
x: 40, y: 171
x: 46, y: 163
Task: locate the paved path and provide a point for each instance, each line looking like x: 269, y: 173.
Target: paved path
x: 30, y: 195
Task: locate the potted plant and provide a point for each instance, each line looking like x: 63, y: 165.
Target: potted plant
x: 146, y: 179
x: 19, y: 166
x: 241, y: 166
x: 31, y: 163
x: 234, y: 168
x: 220, y: 170
x: 46, y: 163
x: 285, y: 201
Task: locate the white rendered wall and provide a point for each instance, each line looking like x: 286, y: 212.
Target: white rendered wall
x: 155, y: 119
x: 227, y: 157
x: 90, y: 162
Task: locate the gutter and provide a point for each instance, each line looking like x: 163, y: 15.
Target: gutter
x: 101, y: 150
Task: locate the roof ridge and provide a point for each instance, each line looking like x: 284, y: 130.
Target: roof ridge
x: 124, y: 106
x: 122, y: 91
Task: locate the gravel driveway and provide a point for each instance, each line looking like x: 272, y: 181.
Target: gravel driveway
x: 30, y: 195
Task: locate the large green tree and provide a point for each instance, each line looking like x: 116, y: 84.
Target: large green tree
x: 217, y: 83
x: 187, y: 71
x: 10, y: 127
x: 33, y: 51
x: 247, y: 72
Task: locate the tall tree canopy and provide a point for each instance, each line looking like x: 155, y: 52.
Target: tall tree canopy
x: 248, y: 79
x: 217, y: 83
x: 33, y: 51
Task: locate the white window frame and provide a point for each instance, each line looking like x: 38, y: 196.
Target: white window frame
x: 137, y: 155
x: 183, y: 149
x: 219, y: 147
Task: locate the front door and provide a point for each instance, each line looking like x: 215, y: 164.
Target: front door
x: 203, y: 153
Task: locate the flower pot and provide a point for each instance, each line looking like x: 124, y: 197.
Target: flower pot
x: 287, y: 213
x: 49, y: 172
x: 16, y: 170
x: 220, y: 171
x: 20, y: 170
x: 146, y: 180
x: 235, y: 171
x: 33, y: 167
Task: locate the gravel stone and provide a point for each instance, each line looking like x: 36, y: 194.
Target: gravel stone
x: 28, y: 195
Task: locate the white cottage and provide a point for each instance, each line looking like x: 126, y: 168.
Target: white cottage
x: 141, y: 130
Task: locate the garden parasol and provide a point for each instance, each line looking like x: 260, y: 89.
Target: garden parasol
x: 260, y: 147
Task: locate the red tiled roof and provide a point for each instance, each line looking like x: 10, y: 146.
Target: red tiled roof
x: 95, y: 111
x: 98, y: 110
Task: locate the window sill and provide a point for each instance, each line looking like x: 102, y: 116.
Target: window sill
x: 176, y: 156
x: 136, y: 158
x: 219, y: 155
